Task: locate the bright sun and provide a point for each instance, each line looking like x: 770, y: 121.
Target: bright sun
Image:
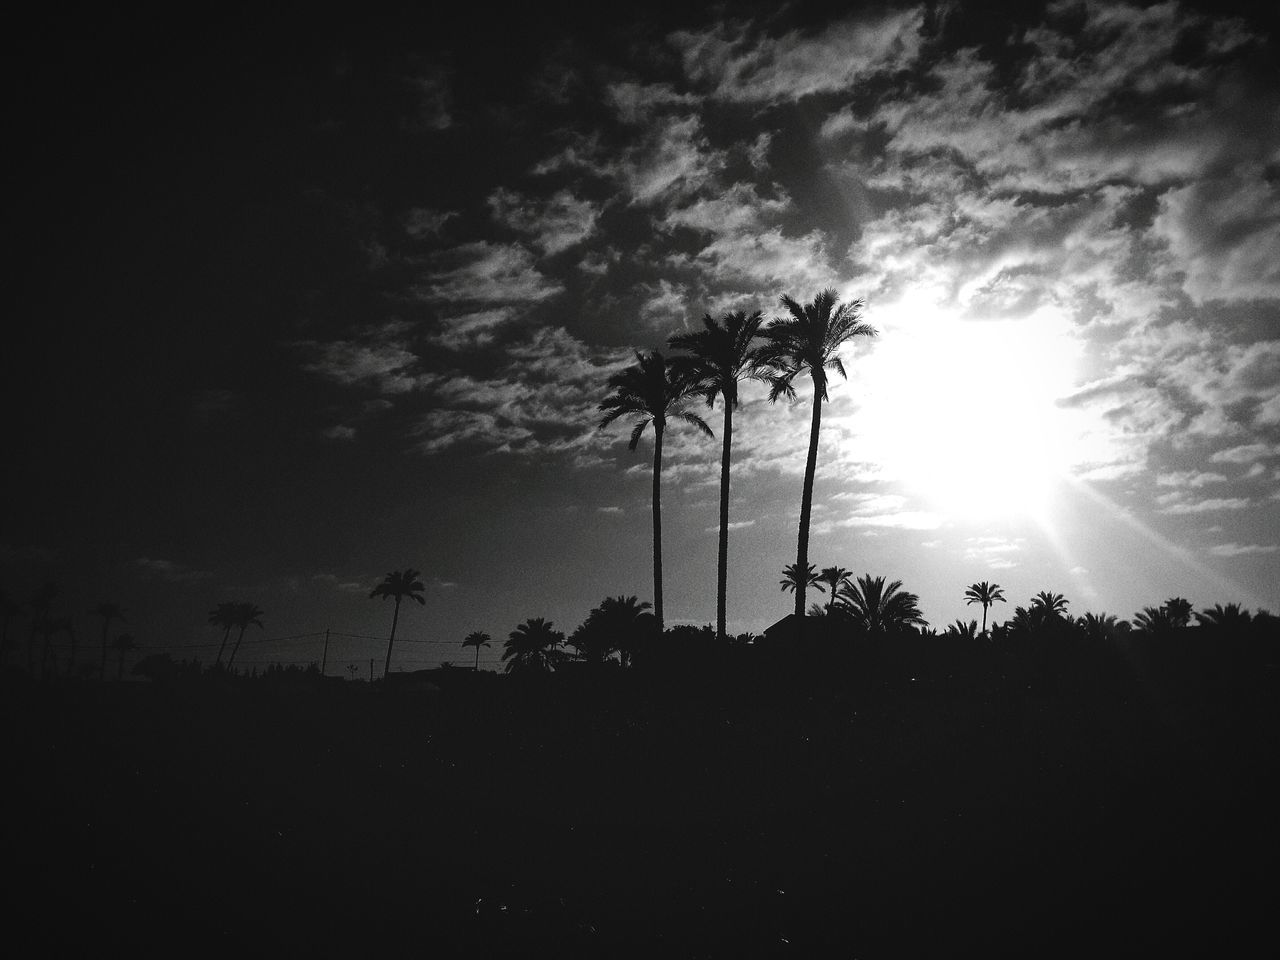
x: 964, y: 412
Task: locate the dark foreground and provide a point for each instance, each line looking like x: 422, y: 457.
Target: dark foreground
x: 831, y: 807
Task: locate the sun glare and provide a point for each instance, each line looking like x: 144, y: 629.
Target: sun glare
x: 963, y: 413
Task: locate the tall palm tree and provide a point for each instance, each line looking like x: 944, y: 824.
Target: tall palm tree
x: 652, y: 391
x: 398, y: 585
x: 533, y: 647
x: 833, y: 577
x: 878, y: 607
x: 718, y: 358
x: 477, y: 640
x: 108, y: 611
x: 223, y: 615
x: 122, y: 645
x: 986, y: 594
x: 246, y: 615
x: 810, y: 339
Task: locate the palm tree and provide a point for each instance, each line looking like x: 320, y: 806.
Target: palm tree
x: 246, y: 615
x: 652, y: 391
x: 985, y: 594
x: 1154, y: 621
x: 397, y: 585
x: 962, y: 631
x: 1102, y: 626
x: 810, y: 339
x: 1179, y: 611
x: 108, y: 611
x: 792, y: 580
x: 620, y: 624
x: 533, y: 647
x: 1232, y: 615
x: 1048, y: 606
x: 719, y: 357
x: 833, y: 577
x: 223, y: 615
x: 477, y: 640
x: 877, y: 607
x: 122, y: 645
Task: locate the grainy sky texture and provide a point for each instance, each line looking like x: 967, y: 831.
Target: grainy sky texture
x: 299, y: 303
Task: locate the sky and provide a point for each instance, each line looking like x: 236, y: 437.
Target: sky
x: 298, y: 302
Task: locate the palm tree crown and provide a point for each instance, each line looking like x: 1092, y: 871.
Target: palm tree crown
x: 533, y: 647
x: 652, y: 391
x: 792, y: 580
x: 718, y: 357
x: 833, y: 577
x: 878, y: 607
x: 809, y: 340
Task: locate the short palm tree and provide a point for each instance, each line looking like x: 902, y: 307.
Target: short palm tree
x: 1180, y: 610
x: 1154, y: 622
x: 652, y: 391
x: 619, y: 625
x: 833, y: 577
x: 533, y: 647
x: 1048, y: 605
x: 792, y: 580
x: 246, y: 615
x: 224, y: 616
x: 398, y: 585
x: 880, y: 607
x: 477, y: 640
x: 1102, y: 626
x: 718, y: 358
x: 809, y: 340
x: 108, y: 611
x: 1232, y: 615
x: 986, y: 594
x: 122, y: 645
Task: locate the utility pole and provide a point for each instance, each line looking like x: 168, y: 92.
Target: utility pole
x: 324, y: 661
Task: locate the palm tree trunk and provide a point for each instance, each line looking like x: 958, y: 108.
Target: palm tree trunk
x: 120, y: 666
x: 395, y: 618
x: 722, y: 564
x: 806, y: 501
x: 225, y: 635
x: 235, y: 649
x: 477, y: 666
x: 657, y: 525
x: 984, y: 618
x: 102, y: 670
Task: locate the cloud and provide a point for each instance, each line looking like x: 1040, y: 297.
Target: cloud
x: 485, y: 273
x: 468, y: 331
x: 378, y: 357
x: 169, y: 571
x: 1242, y: 549
x: 433, y: 95
x: 1174, y: 503
x: 422, y: 222
x: 1189, y: 478
x: 556, y: 223
x: 1246, y: 453
x: 1224, y: 234
x: 731, y: 64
